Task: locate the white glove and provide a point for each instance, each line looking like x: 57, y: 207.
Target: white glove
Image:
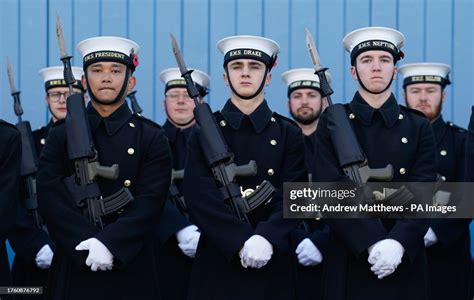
x: 385, y: 256
x: 99, y: 257
x: 44, y: 257
x: 308, y: 253
x: 256, y: 252
x: 188, y: 239
x: 430, y: 238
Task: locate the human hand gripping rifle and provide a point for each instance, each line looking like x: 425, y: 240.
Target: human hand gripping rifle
x: 133, y: 101
x: 83, y: 184
x: 29, y: 158
x: 348, y: 151
x: 218, y: 156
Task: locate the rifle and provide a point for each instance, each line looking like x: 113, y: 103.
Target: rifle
x: 218, y: 157
x: 175, y: 195
x: 133, y: 101
x: 83, y: 184
x: 29, y: 157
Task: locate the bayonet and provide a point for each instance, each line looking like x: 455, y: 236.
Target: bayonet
x: 14, y: 92
x: 11, y: 79
x: 326, y: 90
x: 65, y: 58
x: 313, y: 52
x: 177, y: 55
x: 185, y: 73
x: 60, y: 35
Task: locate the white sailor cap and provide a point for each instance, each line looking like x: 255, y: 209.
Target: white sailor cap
x: 303, y: 78
x: 54, y: 77
x: 250, y: 47
x: 374, y: 38
x: 425, y: 73
x: 109, y: 48
x: 172, y: 79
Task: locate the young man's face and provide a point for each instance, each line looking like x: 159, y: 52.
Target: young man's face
x: 305, y: 105
x: 425, y: 97
x: 106, y: 79
x: 375, y: 68
x: 246, y: 76
x: 56, y: 100
x: 179, y: 105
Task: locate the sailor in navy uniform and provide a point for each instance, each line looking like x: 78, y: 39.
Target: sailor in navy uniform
x: 32, y: 246
x: 109, y: 263
x: 447, y: 240
x: 177, y: 236
x: 305, y: 105
x: 10, y: 163
x: 56, y: 96
x: 236, y: 259
x: 375, y: 258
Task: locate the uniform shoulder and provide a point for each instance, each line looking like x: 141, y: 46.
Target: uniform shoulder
x: 40, y: 131
x: 412, y: 111
x: 140, y: 118
x: 217, y: 114
x: 456, y: 127
x: 8, y: 125
x: 7, y: 132
x: 276, y: 116
x: 59, y: 123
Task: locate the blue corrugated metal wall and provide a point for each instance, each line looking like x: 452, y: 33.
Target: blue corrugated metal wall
x: 436, y: 30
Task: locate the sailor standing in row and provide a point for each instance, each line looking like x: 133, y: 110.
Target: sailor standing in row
x: 377, y: 258
x: 177, y: 236
x: 236, y: 259
x: 32, y: 246
x: 305, y: 105
x: 447, y: 241
x: 91, y: 262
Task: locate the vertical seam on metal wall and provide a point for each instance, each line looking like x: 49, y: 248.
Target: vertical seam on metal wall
x: 263, y: 18
x: 424, y: 29
x: 47, y: 33
x: 453, y: 11
x: 397, y: 14
x: 181, y: 31
x: 209, y: 44
x: 154, y: 61
x: 100, y: 17
x: 317, y: 23
x: 72, y: 32
x: 127, y: 19
x: 370, y: 13
x: 236, y: 21
x: 290, y: 31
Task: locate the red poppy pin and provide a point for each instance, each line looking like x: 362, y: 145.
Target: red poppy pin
x: 135, y: 60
